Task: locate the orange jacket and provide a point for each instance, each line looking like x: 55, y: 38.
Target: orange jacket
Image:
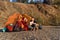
x: 12, y: 19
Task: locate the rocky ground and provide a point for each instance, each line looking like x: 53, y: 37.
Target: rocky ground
x: 47, y: 33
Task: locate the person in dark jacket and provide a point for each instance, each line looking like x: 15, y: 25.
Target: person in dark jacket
x: 32, y: 24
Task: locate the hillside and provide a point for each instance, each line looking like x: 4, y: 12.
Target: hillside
x: 44, y: 14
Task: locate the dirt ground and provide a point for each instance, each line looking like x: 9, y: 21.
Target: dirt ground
x: 47, y: 33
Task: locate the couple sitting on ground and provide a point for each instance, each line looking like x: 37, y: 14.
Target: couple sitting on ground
x: 16, y: 23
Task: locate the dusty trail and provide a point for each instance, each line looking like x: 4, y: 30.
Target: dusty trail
x: 47, y: 33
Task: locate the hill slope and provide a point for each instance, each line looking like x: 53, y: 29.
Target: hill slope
x: 43, y: 13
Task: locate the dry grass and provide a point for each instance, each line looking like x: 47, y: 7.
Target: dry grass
x: 48, y: 15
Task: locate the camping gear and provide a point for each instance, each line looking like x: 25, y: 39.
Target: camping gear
x: 10, y: 27
x: 40, y: 27
x: 4, y: 29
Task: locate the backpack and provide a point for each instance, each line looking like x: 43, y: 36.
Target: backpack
x: 4, y: 29
x: 40, y: 27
